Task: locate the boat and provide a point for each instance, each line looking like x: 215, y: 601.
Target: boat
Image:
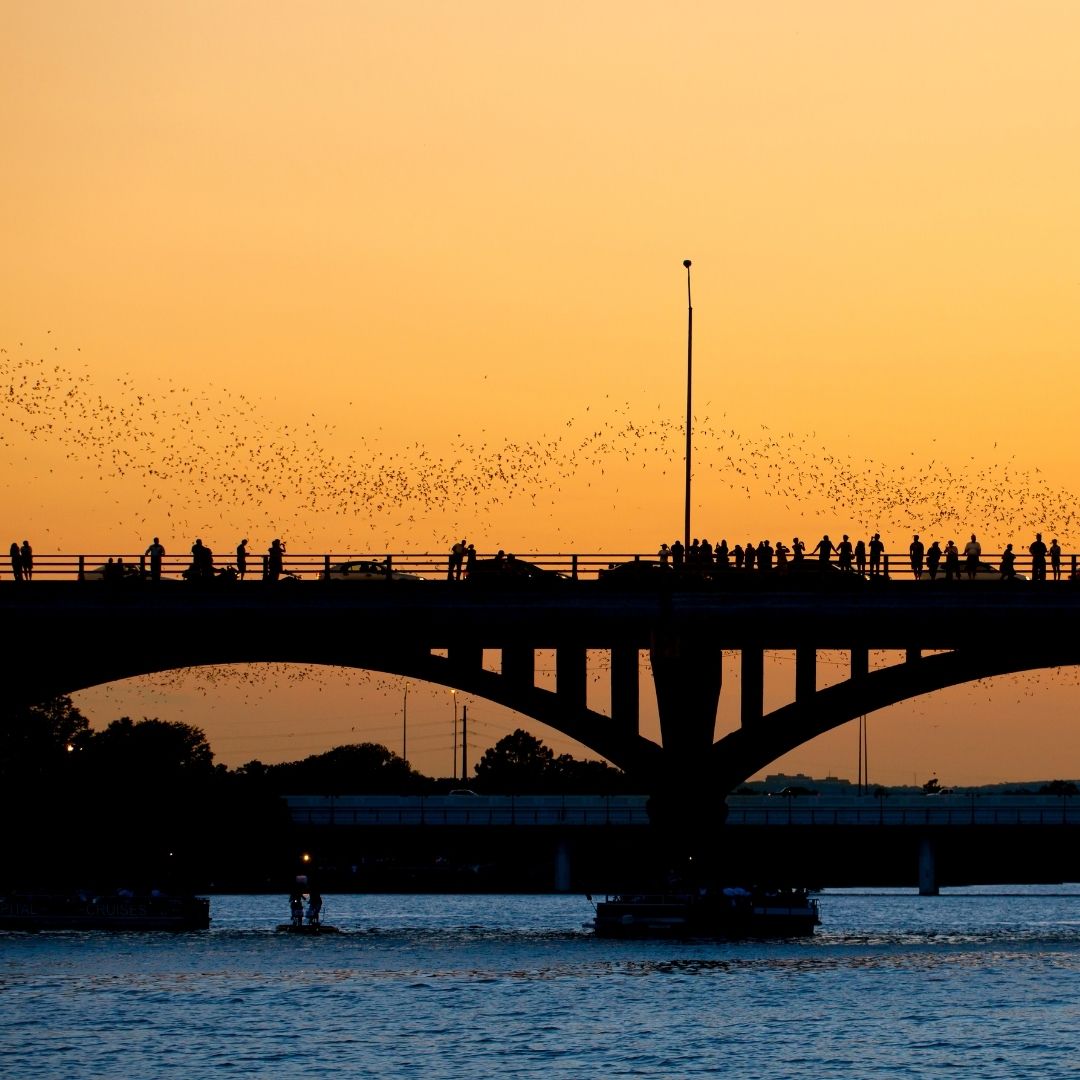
x: 306, y: 928
x: 122, y: 910
x: 719, y: 913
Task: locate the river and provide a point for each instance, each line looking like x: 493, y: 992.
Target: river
x: 984, y: 982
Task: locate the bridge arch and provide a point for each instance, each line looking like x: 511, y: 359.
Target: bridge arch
x: 592, y: 729
x: 741, y: 753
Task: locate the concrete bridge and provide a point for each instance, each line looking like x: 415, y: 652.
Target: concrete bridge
x: 64, y: 636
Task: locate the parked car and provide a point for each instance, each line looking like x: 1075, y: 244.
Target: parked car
x: 367, y: 570
x: 511, y: 568
x: 984, y: 571
x: 636, y: 570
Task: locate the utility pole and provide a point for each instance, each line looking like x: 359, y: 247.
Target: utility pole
x: 405, y: 726
x: 464, y: 743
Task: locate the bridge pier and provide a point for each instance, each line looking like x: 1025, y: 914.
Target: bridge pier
x: 928, y: 884
x: 519, y: 666
x: 563, y: 876
x: 571, y: 676
x: 751, y: 686
x: 625, y: 692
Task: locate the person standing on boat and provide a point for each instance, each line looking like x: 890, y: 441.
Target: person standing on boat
x: 314, y: 909
x: 296, y: 906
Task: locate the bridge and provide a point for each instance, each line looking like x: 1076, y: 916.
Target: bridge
x: 65, y: 634
x: 605, y: 842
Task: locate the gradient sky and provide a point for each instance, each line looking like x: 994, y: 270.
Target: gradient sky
x: 294, y: 245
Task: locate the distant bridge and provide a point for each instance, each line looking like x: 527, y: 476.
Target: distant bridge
x: 66, y: 635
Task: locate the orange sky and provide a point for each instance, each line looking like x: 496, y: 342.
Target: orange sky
x: 433, y: 231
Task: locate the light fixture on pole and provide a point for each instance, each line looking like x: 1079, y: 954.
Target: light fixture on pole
x: 689, y: 399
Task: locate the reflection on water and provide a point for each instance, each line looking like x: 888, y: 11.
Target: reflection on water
x: 484, y: 986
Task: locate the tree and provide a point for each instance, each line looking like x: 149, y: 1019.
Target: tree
x: 354, y: 769
x: 149, y: 752
x: 35, y: 740
x: 518, y: 763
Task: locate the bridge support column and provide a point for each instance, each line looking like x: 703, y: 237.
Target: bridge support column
x: 519, y: 667
x: 860, y: 663
x: 570, y: 676
x: 563, y: 877
x: 752, y: 688
x: 912, y: 656
x: 687, y: 673
x: 805, y: 674
x: 928, y: 885
x: 466, y: 657
x: 625, y: 711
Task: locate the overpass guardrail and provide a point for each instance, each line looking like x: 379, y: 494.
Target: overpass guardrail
x: 631, y: 810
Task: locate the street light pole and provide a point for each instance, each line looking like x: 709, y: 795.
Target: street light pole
x: 405, y: 725
x: 689, y: 400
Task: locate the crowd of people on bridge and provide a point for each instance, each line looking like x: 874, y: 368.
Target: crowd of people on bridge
x: 867, y: 558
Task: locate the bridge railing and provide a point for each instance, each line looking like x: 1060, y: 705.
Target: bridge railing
x: 436, y: 810
x: 929, y: 811
x: 434, y: 566
x: 622, y: 810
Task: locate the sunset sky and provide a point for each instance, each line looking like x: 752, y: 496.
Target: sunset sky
x: 372, y: 277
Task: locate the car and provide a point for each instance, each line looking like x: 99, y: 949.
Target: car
x: 367, y: 570
x: 637, y: 570
x: 510, y: 568
x: 113, y: 571
x: 984, y: 571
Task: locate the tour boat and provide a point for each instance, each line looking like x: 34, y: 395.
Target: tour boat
x: 722, y: 913
x: 88, y: 911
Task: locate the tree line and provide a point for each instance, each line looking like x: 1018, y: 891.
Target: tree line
x: 144, y: 797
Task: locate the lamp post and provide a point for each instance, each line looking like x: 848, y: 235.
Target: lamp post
x: 689, y: 399
x: 405, y: 725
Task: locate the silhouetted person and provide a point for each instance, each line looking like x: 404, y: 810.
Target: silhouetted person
x: 877, y: 549
x: 26, y: 554
x: 16, y: 561
x: 764, y: 556
x: 241, y: 559
x: 844, y: 552
x: 933, y: 557
x: 314, y: 908
x: 470, y: 560
x: 860, y: 557
x: 274, y: 560
x: 693, y: 556
x: 458, y: 557
x: 952, y: 561
x: 915, y: 553
x: 1008, y: 558
x: 781, y: 555
x: 824, y: 549
x: 155, y: 551
x: 202, y: 560
x: 721, y: 556
x: 664, y: 554
x: 738, y: 556
x: 972, y: 555
x: 706, y: 553
x: 797, y: 549
x: 296, y: 907
x: 677, y: 553
x: 749, y: 555
x: 1055, y: 559
x: 1038, y: 558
